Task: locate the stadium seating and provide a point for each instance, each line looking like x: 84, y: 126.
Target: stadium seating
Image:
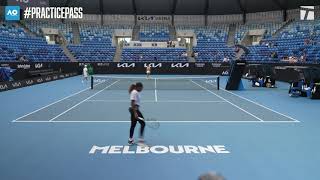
x: 297, y: 39
x: 16, y: 43
x: 154, y: 32
x: 96, y: 43
x: 211, y: 42
x: 64, y: 28
x: 301, y: 37
x: 261, y: 53
x: 153, y: 54
x: 270, y: 27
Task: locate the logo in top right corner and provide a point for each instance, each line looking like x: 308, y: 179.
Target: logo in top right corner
x: 307, y: 13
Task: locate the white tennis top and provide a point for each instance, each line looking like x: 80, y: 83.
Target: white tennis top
x: 135, y: 95
x: 85, y: 72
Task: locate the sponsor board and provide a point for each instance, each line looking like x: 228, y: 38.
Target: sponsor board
x: 200, y: 65
x: 23, y: 66
x: 153, y: 19
x: 126, y: 65
x: 16, y: 84
x: 216, y: 64
x: 39, y: 80
x: 28, y: 82
x: 152, y: 65
x: 48, y: 78
x: 180, y: 65
x: 225, y: 73
x: 3, y: 87
x: 38, y: 65
x: 103, y: 64
x: 4, y: 65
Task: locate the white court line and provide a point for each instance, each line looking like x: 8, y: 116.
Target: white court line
x: 185, y: 122
x: 162, y: 101
x: 227, y: 101
x: 82, y: 101
x: 159, y: 78
x: 155, y: 90
x: 52, y: 103
x: 189, y: 101
x: 295, y: 120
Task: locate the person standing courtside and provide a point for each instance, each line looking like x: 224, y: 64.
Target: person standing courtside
x: 85, y: 74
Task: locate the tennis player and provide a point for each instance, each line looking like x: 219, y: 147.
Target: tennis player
x: 85, y: 74
x: 148, y: 71
x: 136, y: 115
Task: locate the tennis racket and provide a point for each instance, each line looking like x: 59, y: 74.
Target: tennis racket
x: 151, y: 122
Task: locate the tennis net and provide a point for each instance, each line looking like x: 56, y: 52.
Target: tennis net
x: 160, y: 83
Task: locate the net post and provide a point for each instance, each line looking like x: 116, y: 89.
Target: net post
x: 218, y: 82
x: 91, y: 82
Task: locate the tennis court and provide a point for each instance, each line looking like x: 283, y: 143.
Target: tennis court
x: 49, y: 130
x: 175, y: 99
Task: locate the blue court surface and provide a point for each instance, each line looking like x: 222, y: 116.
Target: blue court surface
x: 64, y: 130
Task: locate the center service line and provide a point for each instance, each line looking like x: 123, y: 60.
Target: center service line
x: 83, y: 101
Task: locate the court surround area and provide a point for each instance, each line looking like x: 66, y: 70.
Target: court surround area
x: 49, y: 129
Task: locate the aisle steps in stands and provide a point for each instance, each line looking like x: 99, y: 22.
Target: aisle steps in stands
x: 76, y: 33
x: 172, y: 33
x: 67, y: 52
x: 286, y: 24
x: 189, y: 54
x: 136, y: 33
x: 231, y: 35
x: 118, y: 53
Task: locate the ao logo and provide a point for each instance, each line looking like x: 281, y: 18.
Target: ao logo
x: 225, y: 73
x: 12, y: 13
x: 210, y: 81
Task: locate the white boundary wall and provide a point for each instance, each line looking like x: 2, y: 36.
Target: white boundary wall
x: 225, y: 19
x: 270, y: 16
x: 293, y: 14
x: 88, y: 18
x: 191, y: 20
x: 118, y: 19
x: 317, y: 12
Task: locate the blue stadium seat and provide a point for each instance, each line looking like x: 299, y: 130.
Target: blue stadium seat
x: 16, y: 43
x: 153, y: 54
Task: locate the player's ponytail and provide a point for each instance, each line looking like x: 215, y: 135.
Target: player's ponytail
x: 132, y: 87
